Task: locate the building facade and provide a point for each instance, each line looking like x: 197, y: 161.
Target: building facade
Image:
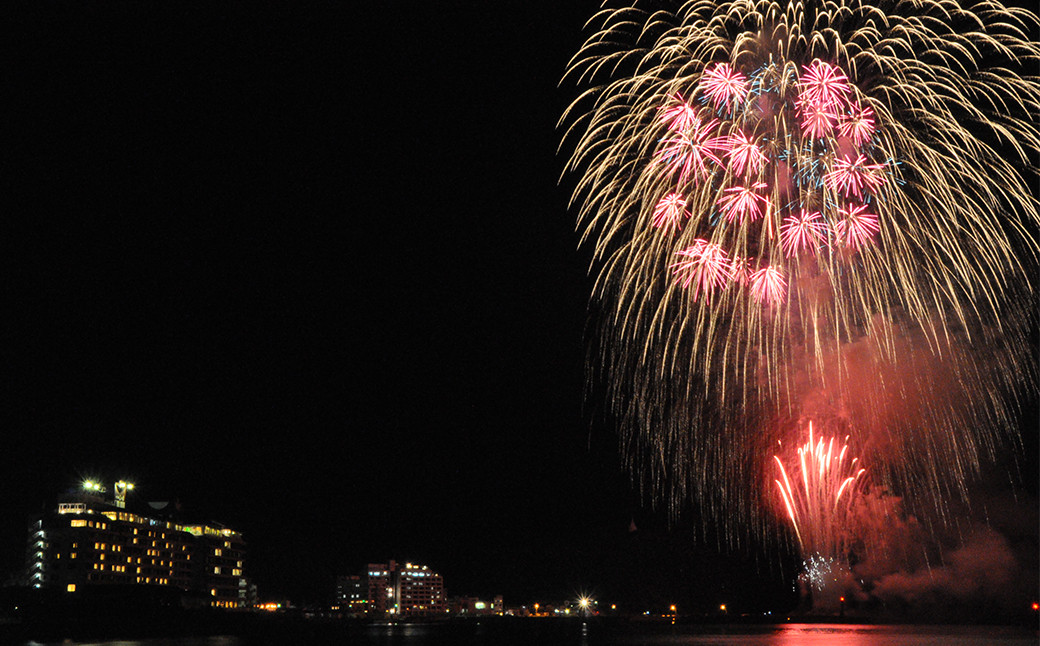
x: 87, y: 540
x: 419, y: 592
x: 393, y: 590
x: 352, y: 595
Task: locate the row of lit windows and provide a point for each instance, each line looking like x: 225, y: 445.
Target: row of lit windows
x: 224, y: 604
x: 104, y: 546
x: 195, y: 530
x: 129, y: 559
x: 82, y: 522
x: 115, y: 547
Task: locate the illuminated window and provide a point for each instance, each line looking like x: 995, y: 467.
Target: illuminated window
x: 78, y: 522
x: 71, y: 587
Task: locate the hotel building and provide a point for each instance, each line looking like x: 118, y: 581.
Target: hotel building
x: 87, y: 540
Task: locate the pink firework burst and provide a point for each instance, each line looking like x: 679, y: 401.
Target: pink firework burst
x: 745, y: 156
x: 858, y: 126
x: 722, y: 85
x: 852, y: 178
x: 670, y: 212
x: 689, y: 152
x: 823, y: 84
x: 803, y: 231
x: 818, y: 119
x: 768, y: 285
x: 740, y: 203
x: 740, y: 269
x: 680, y: 117
x: 857, y: 228
x: 704, y: 267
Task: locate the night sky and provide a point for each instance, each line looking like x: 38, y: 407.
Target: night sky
x: 307, y: 269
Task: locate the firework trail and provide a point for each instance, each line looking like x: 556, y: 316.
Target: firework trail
x: 825, y: 479
x: 817, y: 491
x: 784, y: 200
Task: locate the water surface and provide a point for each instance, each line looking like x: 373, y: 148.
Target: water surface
x: 559, y: 633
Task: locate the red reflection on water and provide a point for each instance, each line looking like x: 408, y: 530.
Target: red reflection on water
x: 829, y: 634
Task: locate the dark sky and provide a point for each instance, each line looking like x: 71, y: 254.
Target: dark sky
x: 306, y: 268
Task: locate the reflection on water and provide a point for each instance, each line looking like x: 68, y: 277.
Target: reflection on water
x: 220, y: 640
x: 550, y: 633
x: 840, y: 635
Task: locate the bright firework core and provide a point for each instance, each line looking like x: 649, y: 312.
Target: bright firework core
x: 818, y: 488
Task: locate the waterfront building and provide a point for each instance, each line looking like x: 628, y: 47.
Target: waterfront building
x: 380, y: 589
x: 352, y: 595
x: 396, y: 590
x: 89, y: 540
x: 419, y: 592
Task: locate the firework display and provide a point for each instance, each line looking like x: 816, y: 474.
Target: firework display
x: 817, y: 490
x: 790, y: 207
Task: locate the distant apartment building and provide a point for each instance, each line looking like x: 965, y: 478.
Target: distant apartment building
x: 419, y: 591
x: 393, y: 590
x: 380, y: 589
x: 87, y: 540
x: 352, y: 595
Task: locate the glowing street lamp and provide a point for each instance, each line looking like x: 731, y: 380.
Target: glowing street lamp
x: 121, y: 488
x: 584, y: 603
